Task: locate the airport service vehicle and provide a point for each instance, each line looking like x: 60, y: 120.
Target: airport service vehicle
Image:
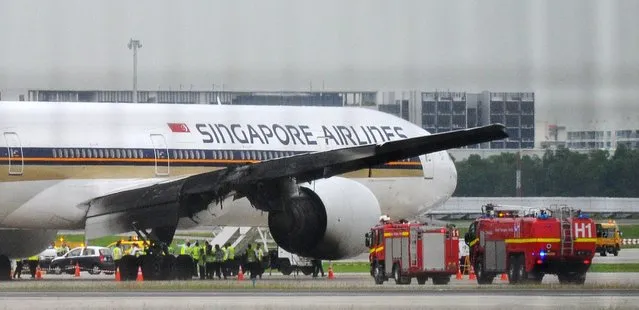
x: 608, y: 238
x: 112, y: 168
x: 287, y: 262
x: 45, y: 257
x: 404, y: 250
x: 560, y: 241
x: 93, y: 259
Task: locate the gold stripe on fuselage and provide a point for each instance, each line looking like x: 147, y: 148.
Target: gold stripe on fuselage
x: 61, y: 172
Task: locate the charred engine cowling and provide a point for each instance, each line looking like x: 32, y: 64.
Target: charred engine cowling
x: 327, y: 219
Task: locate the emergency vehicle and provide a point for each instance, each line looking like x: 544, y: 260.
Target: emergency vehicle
x: 608, y: 238
x: 560, y: 241
x: 404, y: 250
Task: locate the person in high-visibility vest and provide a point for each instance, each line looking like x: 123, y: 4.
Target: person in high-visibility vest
x: 195, y: 253
x: 219, y: 260
x: 33, y: 264
x: 117, y: 254
x: 202, y: 261
x: 230, y: 259
x: 210, y: 260
x: 251, y: 260
x: 260, y: 260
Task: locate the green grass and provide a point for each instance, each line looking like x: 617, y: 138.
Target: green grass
x: 632, y: 267
x: 630, y: 231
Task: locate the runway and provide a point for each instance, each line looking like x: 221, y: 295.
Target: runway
x: 346, y: 291
x: 626, y: 256
x: 544, y: 299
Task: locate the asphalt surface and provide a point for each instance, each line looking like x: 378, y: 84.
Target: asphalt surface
x: 626, y: 256
x: 346, y: 291
x: 547, y: 299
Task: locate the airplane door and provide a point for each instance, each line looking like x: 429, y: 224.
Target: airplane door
x: 428, y: 164
x: 161, y: 155
x: 14, y: 153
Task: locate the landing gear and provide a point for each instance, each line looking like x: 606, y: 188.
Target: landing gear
x: 157, y: 263
x: 5, y: 268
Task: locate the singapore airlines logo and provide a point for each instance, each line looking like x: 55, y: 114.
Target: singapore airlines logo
x: 178, y: 127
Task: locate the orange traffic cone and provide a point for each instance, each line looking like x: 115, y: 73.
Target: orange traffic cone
x: 77, y: 270
x: 117, y: 274
x: 472, y: 276
x: 140, y: 277
x: 459, y: 274
x: 504, y: 276
x: 38, y: 273
x: 331, y: 275
x: 240, y: 274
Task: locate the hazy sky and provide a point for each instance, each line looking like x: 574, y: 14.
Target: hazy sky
x: 581, y: 57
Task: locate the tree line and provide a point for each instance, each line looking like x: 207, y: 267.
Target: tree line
x: 561, y: 173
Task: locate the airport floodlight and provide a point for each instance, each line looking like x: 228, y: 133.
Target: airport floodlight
x: 135, y: 45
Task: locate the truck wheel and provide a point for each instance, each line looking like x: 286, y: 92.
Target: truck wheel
x: 480, y: 273
x: 422, y: 280
x: 378, y: 274
x: 615, y: 251
x: 399, y: 278
x: 441, y: 280
x: 306, y: 270
x: 603, y: 252
x: 513, y: 272
x: 285, y: 267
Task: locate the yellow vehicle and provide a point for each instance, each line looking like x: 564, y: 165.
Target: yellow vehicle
x: 608, y: 238
x: 127, y: 245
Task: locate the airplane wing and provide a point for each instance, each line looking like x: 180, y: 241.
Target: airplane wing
x: 162, y: 204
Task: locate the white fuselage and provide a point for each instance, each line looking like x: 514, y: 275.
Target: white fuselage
x: 55, y: 156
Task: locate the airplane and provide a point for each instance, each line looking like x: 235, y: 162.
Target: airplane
x: 318, y: 177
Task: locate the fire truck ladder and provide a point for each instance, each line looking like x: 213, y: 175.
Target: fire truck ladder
x: 567, y: 242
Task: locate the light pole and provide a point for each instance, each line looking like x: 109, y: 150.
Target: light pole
x: 134, y: 45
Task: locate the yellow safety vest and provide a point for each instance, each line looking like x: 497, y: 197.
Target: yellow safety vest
x: 117, y: 253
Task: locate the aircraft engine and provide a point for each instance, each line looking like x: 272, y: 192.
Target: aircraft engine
x: 19, y: 243
x: 327, y: 220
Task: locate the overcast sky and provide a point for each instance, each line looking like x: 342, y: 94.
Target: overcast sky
x: 574, y: 54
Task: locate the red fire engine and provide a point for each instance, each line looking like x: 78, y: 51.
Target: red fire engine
x: 561, y: 242
x: 405, y: 250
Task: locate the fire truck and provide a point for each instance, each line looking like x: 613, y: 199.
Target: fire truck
x: 404, y: 250
x: 560, y: 241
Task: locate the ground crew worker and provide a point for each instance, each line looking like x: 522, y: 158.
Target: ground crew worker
x: 134, y: 250
x: 260, y: 260
x: 317, y: 267
x: 230, y: 259
x: 196, y: 257
x: 66, y: 248
x: 18, y: 272
x: 117, y: 254
x: 219, y: 260
x: 251, y: 260
x: 202, y: 261
x: 210, y: 259
x: 33, y: 264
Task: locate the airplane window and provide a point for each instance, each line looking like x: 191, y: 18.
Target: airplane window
x: 231, y: 155
x: 128, y: 153
x: 95, y: 153
x: 192, y: 155
x: 54, y: 153
x: 66, y: 153
x: 84, y: 153
x: 242, y: 155
x: 141, y: 153
x: 197, y: 154
x: 174, y: 154
x: 259, y: 156
x: 253, y: 155
x: 117, y: 153
x: 181, y: 154
x: 101, y: 153
x: 112, y: 153
x: 71, y: 153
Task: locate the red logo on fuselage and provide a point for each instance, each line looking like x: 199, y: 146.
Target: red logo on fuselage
x: 178, y: 127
